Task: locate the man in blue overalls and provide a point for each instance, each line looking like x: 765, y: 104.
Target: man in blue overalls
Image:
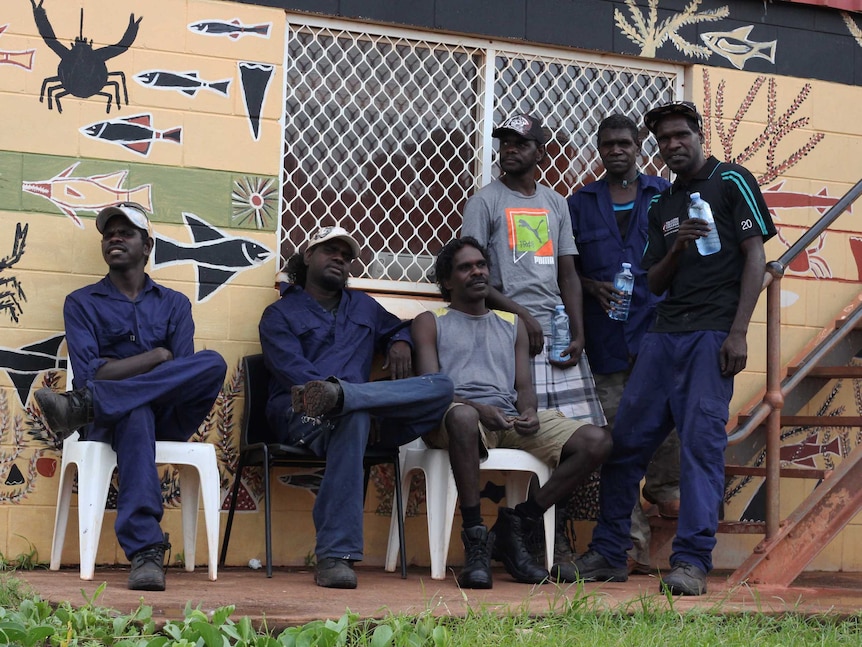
x: 609, y: 221
x: 318, y: 341
x: 137, y: 379
x: 684, y: 372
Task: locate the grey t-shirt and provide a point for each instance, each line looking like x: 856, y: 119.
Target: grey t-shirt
x: 478, y: 353
x: 525, y: 235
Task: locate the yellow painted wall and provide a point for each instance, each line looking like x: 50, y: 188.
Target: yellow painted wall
x: 198, y: 176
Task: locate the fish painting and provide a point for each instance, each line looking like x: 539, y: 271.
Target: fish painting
x: 71, y: 194
x: 737, y: 47
x: 135, y: 133
x: 187, y: 83
x: 217, y: 257
x: 233, y: 29
x: 777, y: 197
x: 20, y: 58
x: 804, y: 454
x: 23, y: 365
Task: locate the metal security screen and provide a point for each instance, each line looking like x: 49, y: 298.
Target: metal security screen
x: 388, y: 132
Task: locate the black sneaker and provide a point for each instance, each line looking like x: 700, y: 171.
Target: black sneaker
x: 684, y: 579
x: 65, y: 412
x: 476, y: 573
x: 511, y: 533
x: 335, y: 573
x: 148, y: 568
x: 593, y: 567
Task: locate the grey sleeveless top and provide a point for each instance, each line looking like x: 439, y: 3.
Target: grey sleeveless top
x: 478, y: 353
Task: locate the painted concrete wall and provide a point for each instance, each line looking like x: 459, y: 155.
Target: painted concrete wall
x: 198, y: 143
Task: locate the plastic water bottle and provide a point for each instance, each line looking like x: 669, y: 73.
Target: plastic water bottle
x: 560, y: 335
x: 700, y: 209
x: 624, y: 281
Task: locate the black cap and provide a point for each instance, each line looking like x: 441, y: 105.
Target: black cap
x: 685, y: 108
x: 524, y: 125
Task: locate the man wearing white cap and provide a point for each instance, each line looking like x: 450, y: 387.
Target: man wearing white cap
x: 318, y: 341
x: 137, y: 379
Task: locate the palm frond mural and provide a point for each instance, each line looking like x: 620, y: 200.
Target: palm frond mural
x: 649, y: 34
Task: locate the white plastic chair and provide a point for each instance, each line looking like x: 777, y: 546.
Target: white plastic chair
x: 95, y: 462
x: 441, y: 494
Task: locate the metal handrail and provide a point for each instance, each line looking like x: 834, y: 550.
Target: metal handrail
x: 769, y: 409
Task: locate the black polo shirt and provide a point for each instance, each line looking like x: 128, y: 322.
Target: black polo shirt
x: 704, y: 292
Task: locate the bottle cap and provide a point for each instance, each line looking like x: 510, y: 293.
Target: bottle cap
x: 695, y: 196
x: 559, y: 307
x: 628, y: 266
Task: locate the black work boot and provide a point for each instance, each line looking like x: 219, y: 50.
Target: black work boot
x: 511, y: 534
x: 65, y: 412
x: 684, y: 579
x: 335, y: 573
x: 476, y: 573
x: 148, y: 568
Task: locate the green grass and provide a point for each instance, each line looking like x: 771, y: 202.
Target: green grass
x: 571, y: 620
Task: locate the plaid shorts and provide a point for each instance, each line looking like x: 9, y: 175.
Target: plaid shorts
x: 571, y: 390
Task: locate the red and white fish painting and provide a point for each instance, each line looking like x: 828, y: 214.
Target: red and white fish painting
x: 71, y: 194
x: 20, y: 58
x: 777, y: 198
x: 135, y: 133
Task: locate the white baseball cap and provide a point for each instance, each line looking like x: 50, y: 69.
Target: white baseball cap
x: 134, y: 212
x: 328, y: 233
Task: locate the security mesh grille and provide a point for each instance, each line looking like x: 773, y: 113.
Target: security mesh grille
x: 385, y: 134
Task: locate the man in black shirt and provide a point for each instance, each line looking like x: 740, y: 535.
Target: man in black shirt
x: 683, y: 376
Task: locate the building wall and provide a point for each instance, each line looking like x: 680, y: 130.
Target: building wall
x: 201, y: 148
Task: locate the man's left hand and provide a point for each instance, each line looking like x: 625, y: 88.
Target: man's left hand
x: 573, y: 352
x: 733, y: 354
x: 527, y: 423
x: 399, y: 361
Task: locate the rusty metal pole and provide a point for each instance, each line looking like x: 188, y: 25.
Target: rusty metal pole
x: 774, y: 399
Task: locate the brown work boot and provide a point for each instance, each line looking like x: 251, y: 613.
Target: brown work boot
x: 66, y: 412
x: 320, y: 397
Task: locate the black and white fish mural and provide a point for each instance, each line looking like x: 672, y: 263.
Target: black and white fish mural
x: 737, y: 46
x: 187, y: 83
x: 83, y: 71
x: 233, y: 29
x: 254, y: 79
x: 217, y: 257
x: 23, y: 365
x: 135, y: 133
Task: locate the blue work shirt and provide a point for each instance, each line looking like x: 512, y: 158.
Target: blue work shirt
x: 102, y: 323
x: 302, y: 342
x: 610, y: 344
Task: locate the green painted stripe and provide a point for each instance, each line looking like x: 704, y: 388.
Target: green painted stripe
x: 219, y: 197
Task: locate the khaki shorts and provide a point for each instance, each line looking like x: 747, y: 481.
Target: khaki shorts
x: 546, y: 444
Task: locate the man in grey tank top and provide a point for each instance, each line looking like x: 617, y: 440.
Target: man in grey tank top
x: 486, y: 353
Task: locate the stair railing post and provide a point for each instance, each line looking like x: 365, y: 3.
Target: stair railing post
x: 773, y: 398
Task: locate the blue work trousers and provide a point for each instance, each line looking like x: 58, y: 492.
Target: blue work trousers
x: 676, y: 381
x: 405, y: 410
x: 167, y: 403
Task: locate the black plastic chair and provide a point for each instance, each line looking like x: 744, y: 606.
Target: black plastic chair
x: 254, y: 450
